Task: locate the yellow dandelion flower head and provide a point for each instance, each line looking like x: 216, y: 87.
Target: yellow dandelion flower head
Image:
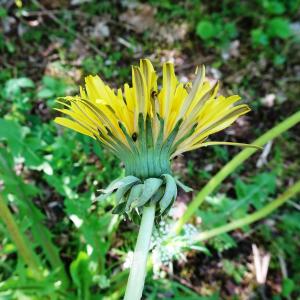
x: 146, y: 126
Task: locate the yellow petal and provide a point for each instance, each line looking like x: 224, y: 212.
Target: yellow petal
x: 196, y: 87
x: 168, y: 88
x: 95, y: 88
x: 73, y: 125
x: 229, y: 144
x: 139, y: 86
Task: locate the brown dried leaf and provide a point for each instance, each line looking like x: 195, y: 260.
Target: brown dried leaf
x: 140, y: 18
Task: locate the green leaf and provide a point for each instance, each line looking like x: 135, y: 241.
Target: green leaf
x: 279, y: 59
x: 230, y: 30
x: 81, y: 275
x: 23, y: 194
x: 20, y: 145
x: 11, y: 132
x: 278, y: 28
x: 274, y: 7
x: 14, y: 85
x: 288, y: 286
x: 56, y: 85
x: 11, y: 48
x: 3, y: 12
x: 257, y: 192
x: 102, y: 281
x: 206, y: 30
x: 45, y: 93
x: 80, y: 207
x: 234, y: 270
x: 12, y: 183
x: 223, y: 242
x: 259, y: 38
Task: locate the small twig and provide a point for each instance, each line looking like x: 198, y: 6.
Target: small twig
x: 262, y: 160
x: 125, y: 43
x: 261, y: 266
x: 39, y: 13
x: 282, y: 266
x: 67, y: 28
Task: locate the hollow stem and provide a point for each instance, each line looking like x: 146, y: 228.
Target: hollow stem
x: 135, y: 284
x: 20, y: 241
x: 232, y: 165
x: 251, y: 218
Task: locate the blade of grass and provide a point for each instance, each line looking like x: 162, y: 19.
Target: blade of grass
x: 251, y: 218
x: 40, y: 232
x: 22, y: 244
x: 232, y: 165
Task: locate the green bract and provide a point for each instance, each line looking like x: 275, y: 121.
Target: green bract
x: 132, y: 194
x: 149, y: 180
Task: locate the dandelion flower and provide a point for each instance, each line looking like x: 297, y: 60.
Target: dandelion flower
x: 146, y: 126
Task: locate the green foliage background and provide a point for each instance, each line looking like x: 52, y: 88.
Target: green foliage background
x: 49, y: 176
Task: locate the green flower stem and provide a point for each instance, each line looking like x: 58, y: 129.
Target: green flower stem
x: 135, y: 285
x: 20, y: 241
x: 251, y: 218
x: 232, y: 165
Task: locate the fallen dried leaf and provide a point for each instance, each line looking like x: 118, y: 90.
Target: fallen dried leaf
x: 140, y: 17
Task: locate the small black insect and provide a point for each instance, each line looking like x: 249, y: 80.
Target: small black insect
x: 154, y: 94
x: 134, y: 136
